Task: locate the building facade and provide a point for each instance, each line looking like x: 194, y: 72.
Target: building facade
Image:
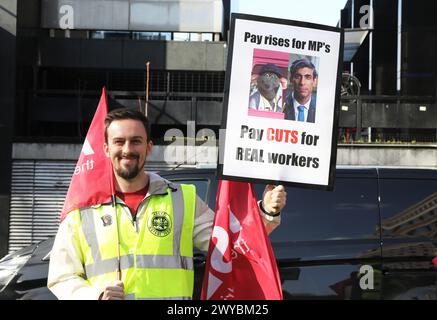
x: 59, y: 56
x: 394, y: 62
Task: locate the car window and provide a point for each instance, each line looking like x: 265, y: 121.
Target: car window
x: 414, y: 213
x: 201, y: 186
x: 409, y: 233
x: 348, y: 212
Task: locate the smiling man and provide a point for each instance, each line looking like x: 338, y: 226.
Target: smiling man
x: 300, y: 102
x: 154, y: 229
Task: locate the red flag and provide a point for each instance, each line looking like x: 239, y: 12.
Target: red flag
x: 92, y: 181
x: 241, y: 264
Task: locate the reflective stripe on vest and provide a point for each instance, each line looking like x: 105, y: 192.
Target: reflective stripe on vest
x: 142, y: 261
x: 171, y: 250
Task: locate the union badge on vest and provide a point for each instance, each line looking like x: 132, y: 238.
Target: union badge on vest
x: 159, y: 223
x: 107, y: 220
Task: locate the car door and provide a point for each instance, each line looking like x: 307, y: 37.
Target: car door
x: 328, y: 243
x: 409, y: 233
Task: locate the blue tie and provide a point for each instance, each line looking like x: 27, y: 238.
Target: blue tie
x: 301, y: 115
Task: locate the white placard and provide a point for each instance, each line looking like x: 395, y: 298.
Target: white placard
x: 281, y: 102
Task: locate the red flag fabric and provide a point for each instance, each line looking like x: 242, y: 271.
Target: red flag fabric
x: 241, y: 264
x: 92, y: 181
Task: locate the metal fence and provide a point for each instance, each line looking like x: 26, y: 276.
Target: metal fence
x: 388, y: 119
x: 362, y: 118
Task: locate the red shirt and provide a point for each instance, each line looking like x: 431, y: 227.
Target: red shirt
x: 133, y: 199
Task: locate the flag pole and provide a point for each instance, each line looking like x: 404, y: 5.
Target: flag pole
x: 147, y: 88
x: 114, y: 206
x: 118, y: 272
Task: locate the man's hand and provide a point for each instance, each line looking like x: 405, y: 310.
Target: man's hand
x: 114, y: 291
x: 274, y: 198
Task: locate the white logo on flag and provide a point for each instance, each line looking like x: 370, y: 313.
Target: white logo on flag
x: 87, y: 149
x: 234, y: 224
x: 213, y: 284
x: 217, y: 255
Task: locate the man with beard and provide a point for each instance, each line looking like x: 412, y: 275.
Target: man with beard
x: 268, y: 94
x: 300, y: 102
x: 156, y: 226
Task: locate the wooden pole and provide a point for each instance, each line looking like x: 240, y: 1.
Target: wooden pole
x: 147, y: 88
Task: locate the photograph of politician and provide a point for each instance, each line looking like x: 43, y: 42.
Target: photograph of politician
x: 301, y: 94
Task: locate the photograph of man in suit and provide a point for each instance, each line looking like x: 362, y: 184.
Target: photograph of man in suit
x: 300, y: 101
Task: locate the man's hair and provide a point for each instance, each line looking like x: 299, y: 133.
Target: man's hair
x: 126, y: 114
x: 302, y: 63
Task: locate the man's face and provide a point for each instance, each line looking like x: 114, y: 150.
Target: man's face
x: 127, y: 147
x: 303, y: 83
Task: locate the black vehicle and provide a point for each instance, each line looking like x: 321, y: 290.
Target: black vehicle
x: 373, y: 237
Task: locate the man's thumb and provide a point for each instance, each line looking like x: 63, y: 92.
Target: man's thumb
x: 270, y: 187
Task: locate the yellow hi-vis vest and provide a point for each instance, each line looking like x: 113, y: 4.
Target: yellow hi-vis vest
x: 156, y: 257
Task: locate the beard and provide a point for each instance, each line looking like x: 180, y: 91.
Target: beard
x: 129, y: 172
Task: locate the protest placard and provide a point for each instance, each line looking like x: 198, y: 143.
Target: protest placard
x: 281, y: 102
